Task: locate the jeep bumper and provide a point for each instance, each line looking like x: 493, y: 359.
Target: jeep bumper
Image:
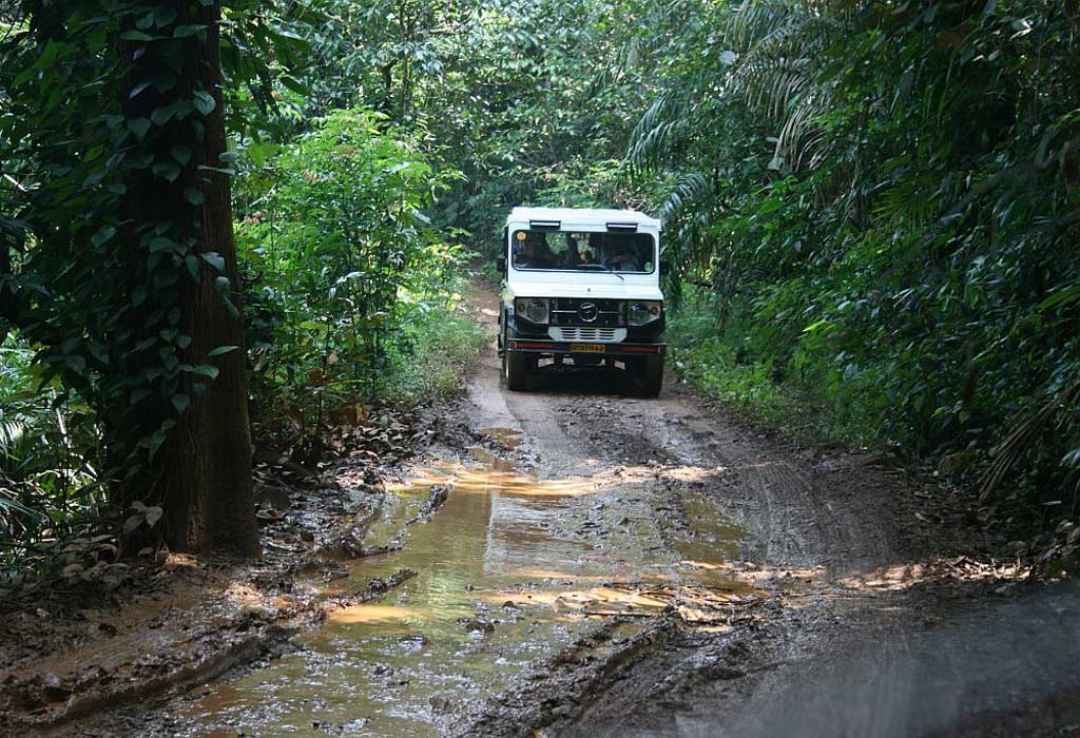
x: 537, y: 346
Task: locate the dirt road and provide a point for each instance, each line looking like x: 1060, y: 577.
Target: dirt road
x: 573, y: 562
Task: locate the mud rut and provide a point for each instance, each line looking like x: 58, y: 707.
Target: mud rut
x: 594, y: 565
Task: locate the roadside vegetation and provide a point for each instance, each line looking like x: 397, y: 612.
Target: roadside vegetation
x: 890, y: 245
x: 219, y: 216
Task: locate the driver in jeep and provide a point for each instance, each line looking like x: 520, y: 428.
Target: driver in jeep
x: 617, y: 260
x: 534, y: 252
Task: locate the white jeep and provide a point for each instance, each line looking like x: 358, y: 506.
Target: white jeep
x: 581, y: 288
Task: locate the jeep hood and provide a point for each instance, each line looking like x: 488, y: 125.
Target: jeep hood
x: 622, y: 291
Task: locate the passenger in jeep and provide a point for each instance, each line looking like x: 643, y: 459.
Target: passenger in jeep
x: 534, y: 253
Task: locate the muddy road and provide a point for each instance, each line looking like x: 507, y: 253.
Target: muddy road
x: 581, y: 563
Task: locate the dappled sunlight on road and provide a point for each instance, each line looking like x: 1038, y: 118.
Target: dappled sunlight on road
x: 903, y: 576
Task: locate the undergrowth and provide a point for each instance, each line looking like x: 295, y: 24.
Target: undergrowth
x: 722, y: 355
x: 438, y: 349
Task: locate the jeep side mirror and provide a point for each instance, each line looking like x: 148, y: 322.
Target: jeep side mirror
x: 665, y: 266
x: 500, y: 264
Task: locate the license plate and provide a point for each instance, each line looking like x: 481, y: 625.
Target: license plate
x: 588, y: 348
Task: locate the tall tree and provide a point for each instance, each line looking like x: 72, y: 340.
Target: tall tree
x: 203, y: 477
x: 129, y: 285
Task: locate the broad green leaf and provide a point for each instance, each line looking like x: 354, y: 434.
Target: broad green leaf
x: 204, y: 102
x: 136, y: 36
x: 182, y: 154
x: 181, y: 402
x: 189, y: 30
x: 214, y: 259
x: 221, y: 351
x: 104, y: 235
x: 139, y: 126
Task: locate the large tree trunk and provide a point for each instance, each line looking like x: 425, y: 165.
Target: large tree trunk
x: 202, y: 473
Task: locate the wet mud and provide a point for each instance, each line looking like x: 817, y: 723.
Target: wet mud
x: 573, y: 562
x: 511, y: 568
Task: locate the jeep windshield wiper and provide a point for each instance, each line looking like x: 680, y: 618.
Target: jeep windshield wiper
x: 610, y: 269
x: 600, y: 267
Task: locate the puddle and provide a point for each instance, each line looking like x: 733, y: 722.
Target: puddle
x: 501, y: 584
x: 507, y: 437
x: 712, y: 539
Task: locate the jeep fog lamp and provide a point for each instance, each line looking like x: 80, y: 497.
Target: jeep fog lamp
x: 532, y: 309
x: 643, y: 313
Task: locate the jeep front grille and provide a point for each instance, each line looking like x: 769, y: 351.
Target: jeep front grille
x: 601, y: 313
x: 598, y: 335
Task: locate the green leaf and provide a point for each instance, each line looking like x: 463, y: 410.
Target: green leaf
x: 181, y: 402
x: 139, y: 126
x: 192, y: 265
x: 161, y: 243
x: 136, y: 36
x: 102, y: 236
x: 189, y: 30
x: 167, y: 170
x: 164, y: 16
x: 219, y: 170
x: 138, y: 89
x: 194, y: 196
x: 204, y: 102
x: 294, y: 85
x: 214, y: 259
x: 1061, y: 297
x: 222, y: 350
x: 205, y: 370
x: 163, y: 115
x: 182, y: 154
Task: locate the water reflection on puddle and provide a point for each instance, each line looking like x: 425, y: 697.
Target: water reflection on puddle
x: 497, y: 588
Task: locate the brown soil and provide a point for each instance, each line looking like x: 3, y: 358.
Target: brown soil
x: 569, y: 561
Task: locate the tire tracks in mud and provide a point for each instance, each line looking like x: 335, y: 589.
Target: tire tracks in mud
x: 661, y: 484
x: 813, y: 520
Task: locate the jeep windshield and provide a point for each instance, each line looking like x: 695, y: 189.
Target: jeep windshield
x: 595, y: 251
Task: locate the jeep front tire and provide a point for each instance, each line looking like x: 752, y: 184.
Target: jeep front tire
x: 649, y: 371
x: 515, y: 369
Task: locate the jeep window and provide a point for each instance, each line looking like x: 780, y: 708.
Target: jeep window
x: 563, y: 251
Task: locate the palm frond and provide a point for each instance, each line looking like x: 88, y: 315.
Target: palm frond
x: 689, y: 188
x: 776, y: 76
x: 659, y: 130
x: 10, y: 505
x: 1023, y: 437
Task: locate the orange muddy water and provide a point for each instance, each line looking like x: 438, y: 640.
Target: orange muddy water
x: 503, y: 580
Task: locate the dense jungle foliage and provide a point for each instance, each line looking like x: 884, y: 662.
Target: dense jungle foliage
x: 871, y: 205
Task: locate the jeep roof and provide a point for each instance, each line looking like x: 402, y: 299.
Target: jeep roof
x: 582, y: 217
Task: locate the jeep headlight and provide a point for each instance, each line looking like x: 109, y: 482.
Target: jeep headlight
x: 533, y: 309
x: 643, y: 313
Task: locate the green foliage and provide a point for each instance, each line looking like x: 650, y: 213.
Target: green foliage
x: 46, y: 487
x: 105, y: 131
x: 436, y: 348
x: 895, y: 242
x: 892, y: 245
x: 116, y: 261
x: 731, y: 356
x: 347, y: 272
x: 533, y: 102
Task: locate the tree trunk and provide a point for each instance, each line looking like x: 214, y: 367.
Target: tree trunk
x: 202, y: 473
